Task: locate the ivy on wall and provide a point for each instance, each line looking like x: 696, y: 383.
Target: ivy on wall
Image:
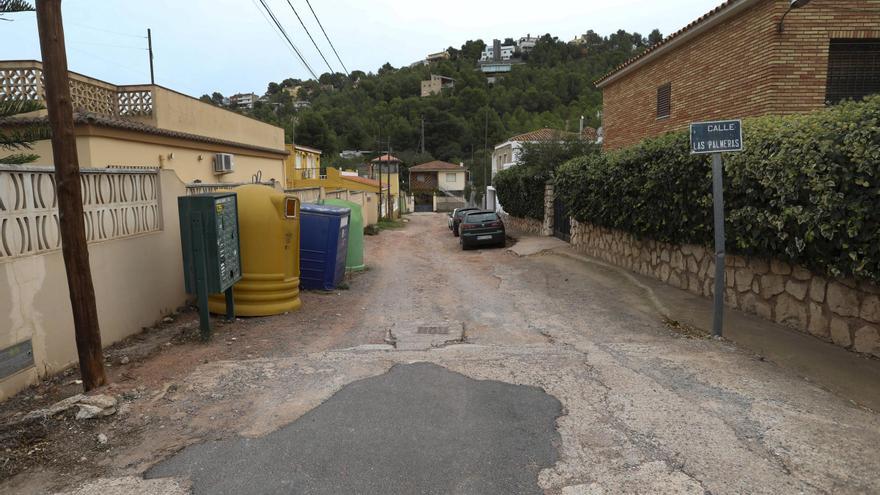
x: 521, y: 191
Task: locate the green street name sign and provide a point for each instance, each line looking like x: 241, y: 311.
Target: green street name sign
x: 716, y: 137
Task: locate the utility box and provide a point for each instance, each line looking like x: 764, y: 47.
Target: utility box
x: 211, y: 250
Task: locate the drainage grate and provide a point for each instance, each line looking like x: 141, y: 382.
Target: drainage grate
x: 437, y: 330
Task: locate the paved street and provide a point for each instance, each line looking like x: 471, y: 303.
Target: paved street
x: 565, y: 381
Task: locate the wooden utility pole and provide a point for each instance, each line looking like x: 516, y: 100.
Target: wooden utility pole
x: 388, y: 196
x: 70, y: 207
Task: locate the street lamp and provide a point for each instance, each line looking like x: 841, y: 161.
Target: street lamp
x: 795, y: 4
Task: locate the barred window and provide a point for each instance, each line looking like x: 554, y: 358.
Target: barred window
x: 853, y: 69
x: 664, y: 100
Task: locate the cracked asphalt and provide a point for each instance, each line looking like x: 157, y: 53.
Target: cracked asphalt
x: 642, y: 409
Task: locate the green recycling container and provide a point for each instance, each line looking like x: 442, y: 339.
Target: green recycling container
x: 354, y: 261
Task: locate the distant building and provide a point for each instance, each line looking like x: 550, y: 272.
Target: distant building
x: 436, y: 85
x: 506, y: 154
x: 243, y: 100
x: 526, y: 43
x: 438, y: 186
x: 299, y: 104
x: 386, y: 170
x: 821, y: 53
x: 303, y: 162
x: 348, y: 154
x: 293, y: 91
x: 497, y: 61
x: 436, y: 57
x: 505, y: 52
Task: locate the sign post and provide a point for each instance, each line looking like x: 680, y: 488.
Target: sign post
x: 717, y: 138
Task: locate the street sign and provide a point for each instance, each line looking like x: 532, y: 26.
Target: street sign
x: 716, y: 137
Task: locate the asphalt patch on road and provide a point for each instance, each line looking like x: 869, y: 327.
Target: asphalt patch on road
x: 419, y: 428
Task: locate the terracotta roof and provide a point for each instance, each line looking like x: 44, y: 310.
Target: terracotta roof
x: 436, y: 165
x: 307, y: 148
x: 386, y: 158
x: 546, y: 134
x: 665, y: 41
x: 85, y: 118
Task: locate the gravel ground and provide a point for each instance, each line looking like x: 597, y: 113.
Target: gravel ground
x: 645, y: 409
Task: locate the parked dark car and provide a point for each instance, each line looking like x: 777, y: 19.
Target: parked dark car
x: 481, y: 228
x: 457, y: 215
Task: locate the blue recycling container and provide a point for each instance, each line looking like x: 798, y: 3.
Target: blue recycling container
x: 323, y: 245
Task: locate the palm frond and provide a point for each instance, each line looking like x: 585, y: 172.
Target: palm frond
x: 19, y: 159
x: 9, y: 108
x: 22, y: 138
x: 9, y: 6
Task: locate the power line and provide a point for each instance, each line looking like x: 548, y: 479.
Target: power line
x: 287, y: 38
x: 106, y: 45
x: 301, y: 23
x: 328, y: 38
x: 117, y: 33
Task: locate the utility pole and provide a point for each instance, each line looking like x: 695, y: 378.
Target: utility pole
x: 485, y: 152
x: 150, y: 49
x: 423, y: 135
x: 388, y: 196
x: 74, y: 248
x: 379, y: 164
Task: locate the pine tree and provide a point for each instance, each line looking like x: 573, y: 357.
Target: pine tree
x: 19, y: 138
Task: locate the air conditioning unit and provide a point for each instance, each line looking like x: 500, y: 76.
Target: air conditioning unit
x: 223, y: 163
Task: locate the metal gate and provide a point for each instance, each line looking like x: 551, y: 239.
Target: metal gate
x: 561, y: 221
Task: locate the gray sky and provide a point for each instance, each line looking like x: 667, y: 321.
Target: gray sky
x: 228, y: 46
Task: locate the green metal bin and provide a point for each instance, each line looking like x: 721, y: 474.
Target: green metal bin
x: 354, y: 260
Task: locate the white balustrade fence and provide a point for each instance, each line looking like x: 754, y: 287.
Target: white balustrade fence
x: 117, y: 203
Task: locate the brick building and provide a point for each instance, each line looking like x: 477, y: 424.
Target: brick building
x: 742, y: 60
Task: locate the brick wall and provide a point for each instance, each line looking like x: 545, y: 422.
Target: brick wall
x: 740, y: 68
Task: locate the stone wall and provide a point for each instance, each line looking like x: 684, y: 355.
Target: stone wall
x: 842, y: 311
x: 522, y: 225
x: 549, y: 197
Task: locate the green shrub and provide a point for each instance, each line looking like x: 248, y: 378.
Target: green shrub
x: 520, y: 191
x: 806, y: 190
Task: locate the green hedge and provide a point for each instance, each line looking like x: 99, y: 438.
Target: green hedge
x: 520, y: 191
x: 806, y: 189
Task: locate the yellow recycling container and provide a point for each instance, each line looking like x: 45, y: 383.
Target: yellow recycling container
x: 268, y: 223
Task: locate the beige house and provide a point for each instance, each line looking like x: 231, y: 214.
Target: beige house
x: 152, y: 126
x: 137, y: 145
x: 438, y: 186
x: 436, y: 85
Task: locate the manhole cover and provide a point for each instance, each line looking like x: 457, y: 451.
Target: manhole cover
x: 433, y: 330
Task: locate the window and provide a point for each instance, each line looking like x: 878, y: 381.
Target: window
x: 450, y: 177
x: 853, y: 69
x: 298, y: 158
x: 664, y: 101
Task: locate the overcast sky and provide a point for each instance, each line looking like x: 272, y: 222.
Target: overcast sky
x: 228, y: 46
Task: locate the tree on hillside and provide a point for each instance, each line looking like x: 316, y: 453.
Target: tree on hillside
x: 19, y: 140
x: 312, y: 130
x: 553, y: 88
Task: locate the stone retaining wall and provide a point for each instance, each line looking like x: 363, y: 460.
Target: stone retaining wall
x: 844, y: 312
x: 522, y: 225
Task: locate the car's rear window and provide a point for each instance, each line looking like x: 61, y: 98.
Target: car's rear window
x: 462, y: 213
x: 480, y: 217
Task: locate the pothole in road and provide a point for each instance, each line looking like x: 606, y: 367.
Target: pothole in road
x: 419, y: 428
x: 421, y: 336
